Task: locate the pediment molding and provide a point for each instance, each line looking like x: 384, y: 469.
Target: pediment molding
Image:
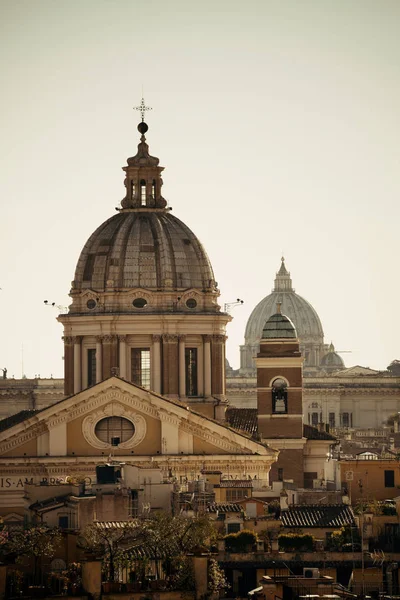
x: 131, y: 400
x: 22, y: 438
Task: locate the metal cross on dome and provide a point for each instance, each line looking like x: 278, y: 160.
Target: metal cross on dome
x: 143, y: 108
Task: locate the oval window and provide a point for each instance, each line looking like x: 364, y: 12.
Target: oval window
x: 139, y: 302
x: 111, y: 429
x: 191, y: 303
x: 91, y: 304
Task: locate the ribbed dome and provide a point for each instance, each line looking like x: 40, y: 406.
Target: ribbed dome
x: 143, y: 249
x: 279, y: 326
x: 303, y: 315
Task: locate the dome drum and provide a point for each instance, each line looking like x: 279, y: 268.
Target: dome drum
x: 143, y: 301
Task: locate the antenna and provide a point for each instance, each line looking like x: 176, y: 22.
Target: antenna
x: 63, y: 309
x: 229, y: 305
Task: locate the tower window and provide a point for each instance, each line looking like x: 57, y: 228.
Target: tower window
x: 279, y: 396
x: 91, y: 367
x: 143, y: 192
x: 314, y: 419
x: 132, y: 189
x: 140, y: 367
x: 191, y: 371
x: 153, y: 188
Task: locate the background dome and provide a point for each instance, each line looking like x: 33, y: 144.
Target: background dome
x: 332, y: 360
x: 303, y: 315
x: 150, y: 249
x: 305, y: 319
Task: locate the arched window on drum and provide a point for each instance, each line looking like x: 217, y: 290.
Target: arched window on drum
x: 279, y: 396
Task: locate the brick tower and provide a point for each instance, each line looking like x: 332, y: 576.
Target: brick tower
x: 280, y: 397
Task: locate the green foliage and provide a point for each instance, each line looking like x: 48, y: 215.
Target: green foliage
x: 161, y: 534
x: 345, y: 539
x: 240, y: 541
x: 293, y: 542
x: 36, y: 542
x: 180, y: 573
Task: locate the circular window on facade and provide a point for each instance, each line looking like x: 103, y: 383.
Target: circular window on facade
x: 139, y: 302
x: 91, y: 304
x: 191, y: 303
x: 114, y: 430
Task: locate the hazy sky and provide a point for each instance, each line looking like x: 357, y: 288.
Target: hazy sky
x: 277, y: 122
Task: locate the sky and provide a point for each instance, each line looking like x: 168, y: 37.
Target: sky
x: 277, y: 122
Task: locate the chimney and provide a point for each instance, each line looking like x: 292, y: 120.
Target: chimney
x: 284, y: 500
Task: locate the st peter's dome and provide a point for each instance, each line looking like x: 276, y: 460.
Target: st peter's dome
x: 299, y: 311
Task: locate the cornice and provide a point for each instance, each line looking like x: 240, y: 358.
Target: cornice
x: 22, y: 438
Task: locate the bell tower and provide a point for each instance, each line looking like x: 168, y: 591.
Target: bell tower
x: 280, y: 396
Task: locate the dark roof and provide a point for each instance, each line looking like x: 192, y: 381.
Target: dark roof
x: 50, y: 502
x: 224, y: 508
x: 312, y: 433
x: 15, y: 419
x: 244, y: 419
x: 335, y: 515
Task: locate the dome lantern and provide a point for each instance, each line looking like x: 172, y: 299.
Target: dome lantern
x: 143, y: 180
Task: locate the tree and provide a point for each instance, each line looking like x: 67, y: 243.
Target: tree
x: 109, y: 543
x: 36, y: 542
x: 167, y: 539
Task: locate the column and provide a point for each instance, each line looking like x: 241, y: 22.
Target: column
x: 170, y: 365
x: 217, y: 371
x: 68, y: 365
x: 182, y: 370
x: 207, y: 365
x: 122, y: 356
x: 99, y: 359
x: 156, y: 363
x: 77, y: 365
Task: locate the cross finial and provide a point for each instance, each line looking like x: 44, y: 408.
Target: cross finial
x: 143, y: 108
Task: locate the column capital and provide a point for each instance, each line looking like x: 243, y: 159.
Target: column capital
x: 108, y: 339
x: 68, y: 340
x: 181, y: 338
x: 169, y: 338
x: 219, y: 339
x: 156, y: 338
x: 122, y: 338
x: 76, y: 339
x: 99, y: 339
x: 207, y: 338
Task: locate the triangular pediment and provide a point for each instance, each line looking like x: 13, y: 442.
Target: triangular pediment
x: 117, y: 397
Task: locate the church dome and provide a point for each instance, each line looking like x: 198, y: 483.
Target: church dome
x: 300, y: 312
x: 332, y: 361
x: 143, y: 257
x: 303, y: 315
x: 143, y: 249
